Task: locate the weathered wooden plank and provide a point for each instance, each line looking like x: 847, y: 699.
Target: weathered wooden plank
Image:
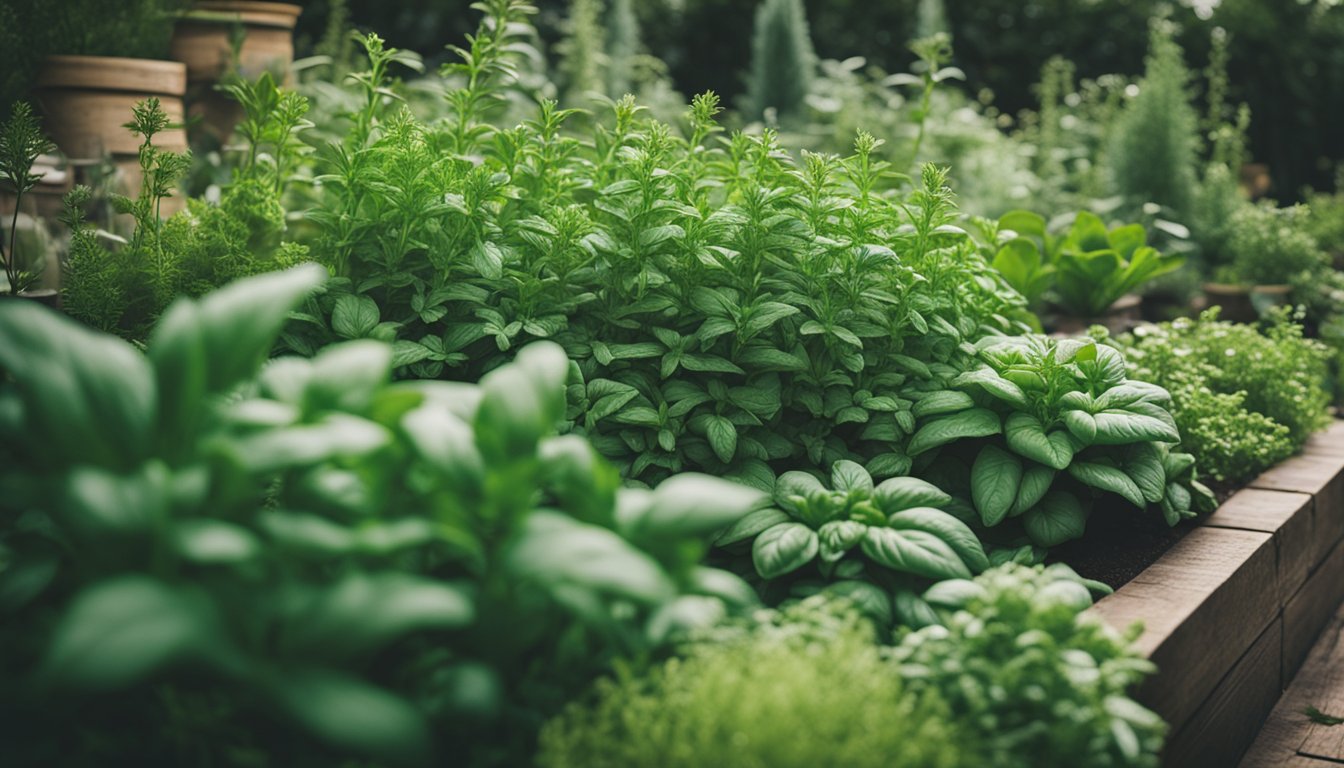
x: 1286, y: 515
x: 1325, y: 668
x: 1224, y: 726
x: 1319, y: 471
x: 1308, y: 611
x: 1288, y: 731
x: 1202, y: 604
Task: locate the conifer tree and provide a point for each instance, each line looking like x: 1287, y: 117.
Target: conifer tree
x: 782, y: 59
x: 623, y: 47
x: 1155, y: 140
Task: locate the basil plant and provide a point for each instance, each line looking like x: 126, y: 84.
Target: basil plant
x: 319, y: 563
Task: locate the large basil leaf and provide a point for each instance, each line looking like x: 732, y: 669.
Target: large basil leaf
x: 990, y: 381
x: 941, y: 402
x: 1060, y: 517
x: 1133, y: 425
x: 976, y: 422
x: 784, y: 548
x: 1027, y: 437
x: 121, y: 630
x: 1107, y: 478
x: 554, y: 551
x: 848, y: 476
x: 1143, y: 464
x: 751, y: 525
x: 839, y: 536
x: 995, y: 478
x: 1035, y: 482
x: 957, y: 534
x: 898, y: 493
x: 87, y: 398
x: 914, y: 551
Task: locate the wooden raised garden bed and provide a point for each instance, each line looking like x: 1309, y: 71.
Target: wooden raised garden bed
x: 1231, y: 610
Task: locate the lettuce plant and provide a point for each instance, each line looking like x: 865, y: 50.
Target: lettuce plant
x: 306, y: 561
x: 1085, y: 270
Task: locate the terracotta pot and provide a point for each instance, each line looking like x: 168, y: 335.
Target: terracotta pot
x: 1235, y: 301
x: 1122, y: 316
x: 87, y: 100
x: 201, y: 40
x: 1263, y: 297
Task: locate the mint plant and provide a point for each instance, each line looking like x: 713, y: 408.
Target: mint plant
x: 196, y: 541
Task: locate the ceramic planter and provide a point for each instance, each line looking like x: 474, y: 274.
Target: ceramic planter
x: 87, y: 100
x: 1122, y: 316
x: 201, y: 41
x: 1234, y: 300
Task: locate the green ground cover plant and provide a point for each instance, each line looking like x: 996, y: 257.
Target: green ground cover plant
x: 820, y: 693
x: 304, y: 563
x: 1244, y: 398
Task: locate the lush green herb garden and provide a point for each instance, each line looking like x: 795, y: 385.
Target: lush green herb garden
x: 471, y: 418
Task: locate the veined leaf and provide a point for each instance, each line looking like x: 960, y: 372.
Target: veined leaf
x: 995, y: 479
x: 976, y: 422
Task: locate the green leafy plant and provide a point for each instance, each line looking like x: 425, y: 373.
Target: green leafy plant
x: 1243, y: 399
x: 1269, y: 245
x: 873, y: 541
x: 185, y: 534
x: 1086, y: 269
x: 1041, y: 420
x: 21, y: 141
x: 783, y: 63
x: 1043, y: 683
x: 742, y: 695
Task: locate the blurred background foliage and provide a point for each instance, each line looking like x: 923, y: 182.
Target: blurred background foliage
x: 1287, y: 56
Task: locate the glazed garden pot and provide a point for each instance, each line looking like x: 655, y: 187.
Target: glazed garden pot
x: 1122, y: 316
x: 202, y: 41
x: 87, y: 100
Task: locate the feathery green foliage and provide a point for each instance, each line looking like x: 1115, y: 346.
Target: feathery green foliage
x: 1155, y: 139
x: 584, y: 64
x: 1243, y: 398
x: 801, y: 687
x: 21, y: 141
x: 783, y: 63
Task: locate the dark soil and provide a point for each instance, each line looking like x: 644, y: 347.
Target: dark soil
x: 1121, y: 541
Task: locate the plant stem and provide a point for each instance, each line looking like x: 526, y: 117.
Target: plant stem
x: 11, y: 264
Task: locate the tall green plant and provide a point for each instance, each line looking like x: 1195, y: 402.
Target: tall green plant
x: 21, y: 141
x: 1155, y: 139
x: 583, y: 53
x: 783, y: 63
x: 623, y: 47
